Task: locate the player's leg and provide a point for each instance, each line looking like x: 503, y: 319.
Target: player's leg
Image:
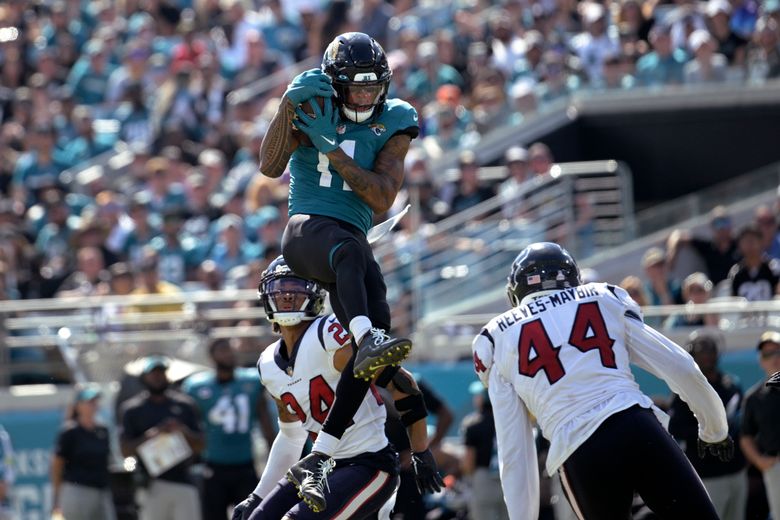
x: 663, y: 475
x: 283, y: 498
x: 216, y: 492
x: 357, y: 492
x: 593, y: 478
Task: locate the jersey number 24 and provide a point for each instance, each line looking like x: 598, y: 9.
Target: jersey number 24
x: 588, y: 332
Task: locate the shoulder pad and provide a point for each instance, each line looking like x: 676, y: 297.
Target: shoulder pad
x: 632, y: 309
x: 402, y: 115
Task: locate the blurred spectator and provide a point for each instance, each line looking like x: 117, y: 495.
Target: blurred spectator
x: 555, y: 79
x: 661, y: 290
x: 763, y: 58
x: 133, y: 71
x: 770, y: 235
x: 706, y: 66
x: 87, y: 280
x: 79, y: 465
x: 261, y: 61
x: 231, y: 249
x: 696, y: 289
x: 148, y: 282
x: 719, y: 252
x: 432, y: 73
x: 154, y: 415
x: 755, y: 277
x: 480, y: 462
x: 133, y: 115
x: 760, y: 439
x: 595, y: 44
x: 636, y: 289
x: 541, y: 158
x: 121, y: 282
x: 36, y: 168
x: 448, y: 134
x: 726, y: 482
x: 142, y: 231
x: 88, y: 79
x: 664, y: 64
x: 467, y: 190
x: 177, y: 255
x: 729, y: 44
x: 6, y: 475
x: 631, y: 20
x: 511, y: 190
x: 335, y: 21
x: 161, y: 192
x: 239, y: 21
x: 374, y: 16
x: 86, y: 144
x: 506, y: 46
x: 284, y: 34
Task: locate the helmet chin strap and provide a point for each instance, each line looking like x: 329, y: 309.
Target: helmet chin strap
x: 357, y: 117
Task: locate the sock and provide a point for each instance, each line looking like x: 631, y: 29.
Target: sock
x: 358, y: 326
x: 325, y: 444
x: 349, y: 395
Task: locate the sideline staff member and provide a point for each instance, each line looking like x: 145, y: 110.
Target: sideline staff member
x: 761, y: 422
x: 171, y: 495
x: 79, y: 467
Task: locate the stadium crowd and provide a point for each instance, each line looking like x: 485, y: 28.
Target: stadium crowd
x: 77, y: 78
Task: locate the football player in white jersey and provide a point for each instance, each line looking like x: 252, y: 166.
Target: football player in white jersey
x: 562, y: 355
x: 301, y: 371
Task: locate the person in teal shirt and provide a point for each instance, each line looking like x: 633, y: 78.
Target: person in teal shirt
x: 664, y: 65
x: 231, y: 400
x: 89, y: 77
x: 346, y: 161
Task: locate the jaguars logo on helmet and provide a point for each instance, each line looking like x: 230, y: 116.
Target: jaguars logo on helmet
x: 358, y: 66
x: 540, y: 267
x: 278, y: 282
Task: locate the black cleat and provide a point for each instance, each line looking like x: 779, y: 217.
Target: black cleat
x: 377, y: 350
x: 310, y: 477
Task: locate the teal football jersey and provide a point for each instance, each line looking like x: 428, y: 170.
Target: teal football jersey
x: 228, y: 412
x: 317, y: 189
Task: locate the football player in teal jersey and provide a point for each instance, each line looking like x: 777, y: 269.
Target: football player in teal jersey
x: 346, y: 161
x: 230, y: 401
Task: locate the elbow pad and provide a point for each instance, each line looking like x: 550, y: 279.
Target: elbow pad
x: 412, y: 409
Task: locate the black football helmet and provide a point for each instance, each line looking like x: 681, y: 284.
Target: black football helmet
x: 358, y: 66
x: 278, y: 281
x: 540, y: 267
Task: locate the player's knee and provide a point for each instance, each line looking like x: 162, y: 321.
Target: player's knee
x: 348, y: 255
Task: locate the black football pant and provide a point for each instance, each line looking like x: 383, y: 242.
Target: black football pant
x: 226, y: 485
x: 631, y: 452
x: 337, y: 255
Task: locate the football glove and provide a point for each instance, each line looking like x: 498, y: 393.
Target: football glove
x: 309, y: 84
x: 244, y: 510
x: 320, y: 127
x: 774, y: 380
x: 426, y: 475
x: 724, y: 449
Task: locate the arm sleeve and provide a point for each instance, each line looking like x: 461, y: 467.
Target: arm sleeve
x: 516, y: 450
x: 285, y: 451
x: 482, y: 353
x: 663, y: 358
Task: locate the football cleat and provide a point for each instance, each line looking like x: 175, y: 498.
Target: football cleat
x: 377, y: 350
x: 310, y: 477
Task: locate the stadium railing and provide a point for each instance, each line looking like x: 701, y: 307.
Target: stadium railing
x: 438, y: 267
x: 86, y: 339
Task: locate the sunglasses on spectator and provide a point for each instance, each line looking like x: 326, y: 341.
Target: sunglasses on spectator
x: 770, y: 354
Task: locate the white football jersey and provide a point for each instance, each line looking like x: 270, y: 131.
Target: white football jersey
x: 563, y: 357
x: 307, y: 386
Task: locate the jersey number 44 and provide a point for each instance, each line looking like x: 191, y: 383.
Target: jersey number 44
x: 588, y: 332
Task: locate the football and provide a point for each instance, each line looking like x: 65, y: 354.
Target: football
x: 307, y: 109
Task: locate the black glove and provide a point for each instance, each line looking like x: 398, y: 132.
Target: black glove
x: 724, y: 449
x: 244, y: 510
x: 774, y: 380
x: 426, y: 475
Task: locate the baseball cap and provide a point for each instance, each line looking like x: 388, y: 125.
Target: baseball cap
x: 88, y: 392
x: 154, y: 362
x: 770, y: 336
x: 516, y: 154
